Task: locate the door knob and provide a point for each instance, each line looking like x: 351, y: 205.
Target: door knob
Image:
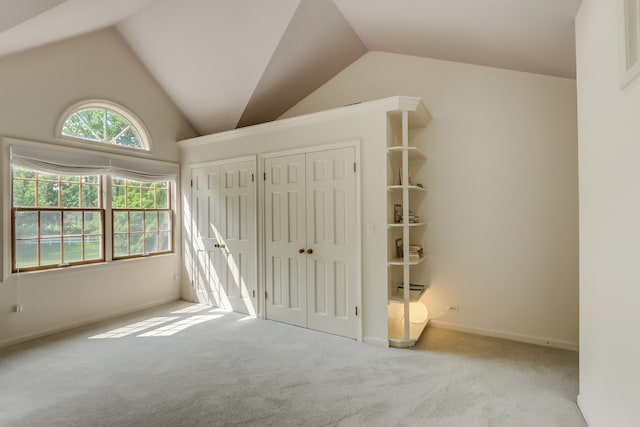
x: 309, y: 251
x: 219, y: 245
x: 301, y: 250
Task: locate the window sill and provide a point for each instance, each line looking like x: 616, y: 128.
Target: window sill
x: 94, y: 266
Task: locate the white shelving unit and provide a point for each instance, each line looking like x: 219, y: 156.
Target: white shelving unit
x: 405, y: 328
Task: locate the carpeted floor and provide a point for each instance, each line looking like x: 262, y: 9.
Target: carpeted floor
x: 188, y: 365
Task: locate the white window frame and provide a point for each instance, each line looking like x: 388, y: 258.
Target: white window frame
x: 133, y: 120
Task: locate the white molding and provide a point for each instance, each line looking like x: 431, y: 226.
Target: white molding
x: 581, y: 408
x: 73, y: 325
x: 530, y: 339
x: 396, y: 103
x: 380, y: 342
x: 628, y: 72
x: 223, y: 162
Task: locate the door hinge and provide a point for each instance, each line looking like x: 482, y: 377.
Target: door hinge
x: 264, y: 176
x: 253, y: 178
x: 356, y: 311
x: 354, y: 167
x: 192, y: 183
x: 254, y: 293
x: 265, y: 295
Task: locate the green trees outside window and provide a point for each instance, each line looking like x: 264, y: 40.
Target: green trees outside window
x: 142, y: 222
x: 58, y: 220
x: 102, y: 124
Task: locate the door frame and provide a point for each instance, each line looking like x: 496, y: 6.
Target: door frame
x: 352, y: 143
x: 254, y: 160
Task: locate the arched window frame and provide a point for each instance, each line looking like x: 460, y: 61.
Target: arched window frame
x: 127, y: 114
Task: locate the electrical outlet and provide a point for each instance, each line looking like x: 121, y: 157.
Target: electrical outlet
x: 17, y: 308
x: 452, y: 308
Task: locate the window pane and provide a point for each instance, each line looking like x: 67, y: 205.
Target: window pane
x: 47, y: 176
x: 65, y: 178
x: 137, y: 244
x: 133, y: 197
x: 118, y: 197
x: 26, y: 225
x: 136, y: 221
x: 72, y: 249
x: 148, y: 198
x: 162, y: 201
x: 92, y: 248
x: 70, y: 195
x: 47, y: 194
x: 151, y: 221
x: 165, y: 221
x: 164, y: 242
x: 151, y: 242
x: 72, y: 223
x: 90, y: 196
x: 115, y: 124
x: 74, y: 126
x: 24, y: 193
x: 50, y: 223
x: 93, y: 179
x: 120, y: 245
x: 129, y: 139
x: 92, y: 223
x: 19, y: 172
x: 94, y: 118
x: 26, y: 253
x: 50, y: 252
x: 121, y: 222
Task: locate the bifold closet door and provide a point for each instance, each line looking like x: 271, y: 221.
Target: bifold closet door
x: 331, y: 236
x: 224, y: 211
x: 310, y: 228
x: 285, y: 235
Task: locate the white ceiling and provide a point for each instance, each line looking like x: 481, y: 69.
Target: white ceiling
x: 230, y: 63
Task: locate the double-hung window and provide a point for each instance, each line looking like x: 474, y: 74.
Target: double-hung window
x: 57, y: 220
x: 141, y: 218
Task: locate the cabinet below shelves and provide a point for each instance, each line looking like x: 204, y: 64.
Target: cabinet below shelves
x: 396, y: 333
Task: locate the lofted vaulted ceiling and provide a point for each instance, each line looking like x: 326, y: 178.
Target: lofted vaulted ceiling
x: 233, y: 63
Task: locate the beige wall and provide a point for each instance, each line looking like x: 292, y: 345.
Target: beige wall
x: 36, y: 87
x: 503, y: 190
x: 609, y: 160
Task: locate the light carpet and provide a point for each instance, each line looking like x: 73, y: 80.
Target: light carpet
x: 188, y: 365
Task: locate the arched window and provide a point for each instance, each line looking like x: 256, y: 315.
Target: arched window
x: 104, y: 122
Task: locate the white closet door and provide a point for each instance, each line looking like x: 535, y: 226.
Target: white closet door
x: 331, y: 235
x: 205, y: 236
x: 285, y: 237
x: 224, y: 235
x: 237, y: 229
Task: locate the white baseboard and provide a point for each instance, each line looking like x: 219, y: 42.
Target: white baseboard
x: 582, y: 411
x: 376, y: 341
x: 530, y: 339
x: 73, y: 325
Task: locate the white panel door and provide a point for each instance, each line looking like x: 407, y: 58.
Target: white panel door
x: 237, y: 230
x: 224, y: 235
x: 285, y: 237
x: 205, y: 237
x: 331, y: 239
x: 310, y: 228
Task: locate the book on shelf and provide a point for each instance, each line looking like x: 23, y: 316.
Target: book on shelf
x: 415, y: 290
